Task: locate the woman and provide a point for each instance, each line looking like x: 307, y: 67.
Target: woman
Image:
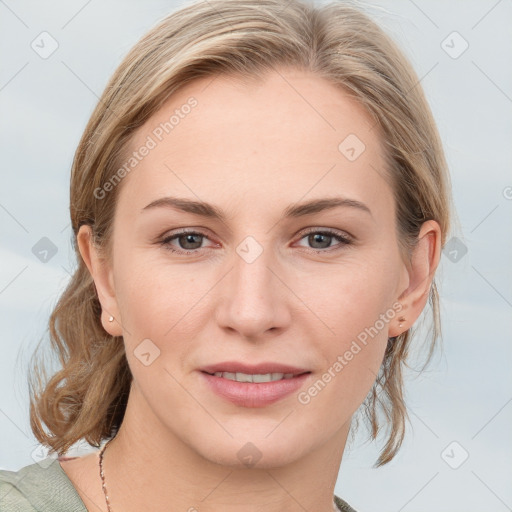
x: 259, y: 203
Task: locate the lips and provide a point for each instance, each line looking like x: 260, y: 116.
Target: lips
x: 251, y: 394
x: 252, y: 369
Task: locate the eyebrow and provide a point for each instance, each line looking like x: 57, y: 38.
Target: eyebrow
x: 207, y: 210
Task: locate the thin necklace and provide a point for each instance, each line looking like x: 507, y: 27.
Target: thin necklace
x: 102, y: 475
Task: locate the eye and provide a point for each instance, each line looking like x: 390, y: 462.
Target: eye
x: 188, y: 242
x: 321, y: 240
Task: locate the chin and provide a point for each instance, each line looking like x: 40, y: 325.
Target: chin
x: 254, y: 451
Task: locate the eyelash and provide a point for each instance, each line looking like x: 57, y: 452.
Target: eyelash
x: 343, y: 239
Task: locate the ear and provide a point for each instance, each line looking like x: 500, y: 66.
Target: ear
x: 424, y: 261
x: 102, y: 274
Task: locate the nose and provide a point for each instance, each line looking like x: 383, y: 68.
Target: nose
x: 255, y: 301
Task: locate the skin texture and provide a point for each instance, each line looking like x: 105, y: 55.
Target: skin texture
x: 252, y: 150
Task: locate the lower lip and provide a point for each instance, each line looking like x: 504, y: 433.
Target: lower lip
x: 251, y: 394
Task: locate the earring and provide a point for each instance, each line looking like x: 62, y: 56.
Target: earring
x: 401, y: 319
x: 110, y: 318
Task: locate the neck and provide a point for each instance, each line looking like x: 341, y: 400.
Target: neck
x: 147, y: 467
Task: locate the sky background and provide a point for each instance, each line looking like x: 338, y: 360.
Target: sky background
x: 462, y: 406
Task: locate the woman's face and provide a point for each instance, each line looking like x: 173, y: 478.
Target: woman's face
x: 315, y: 290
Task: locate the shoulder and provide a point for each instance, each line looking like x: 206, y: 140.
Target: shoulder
x: 342, y: 505
x: 11, y: 499
x: 38, y: 487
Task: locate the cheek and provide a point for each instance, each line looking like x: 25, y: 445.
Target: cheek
x: 356, y: 309
x: 351, y: 296
x: 153, y: 294
x: 352, y: 354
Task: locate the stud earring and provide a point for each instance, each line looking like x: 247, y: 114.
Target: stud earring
x: 402, y: 319
x: 110, y: 318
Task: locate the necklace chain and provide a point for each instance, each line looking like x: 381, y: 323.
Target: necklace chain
x: 102, y: 475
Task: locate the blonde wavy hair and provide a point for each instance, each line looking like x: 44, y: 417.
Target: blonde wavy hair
x: 86, y: 398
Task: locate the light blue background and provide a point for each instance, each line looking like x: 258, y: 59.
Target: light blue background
x: 466, y: 396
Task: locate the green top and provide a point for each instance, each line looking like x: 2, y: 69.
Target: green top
x: 45, y: 487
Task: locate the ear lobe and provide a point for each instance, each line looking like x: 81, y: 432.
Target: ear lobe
x: 102, y: 275
x: 421, y: 271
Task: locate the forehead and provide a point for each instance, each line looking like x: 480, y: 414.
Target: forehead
x: 288, y: 134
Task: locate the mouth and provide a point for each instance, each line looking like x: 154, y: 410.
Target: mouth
x: 256, y: 373
x: 254, y: 385
x: 255, y: 377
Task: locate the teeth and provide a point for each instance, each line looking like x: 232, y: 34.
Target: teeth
x: 244, y: 377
